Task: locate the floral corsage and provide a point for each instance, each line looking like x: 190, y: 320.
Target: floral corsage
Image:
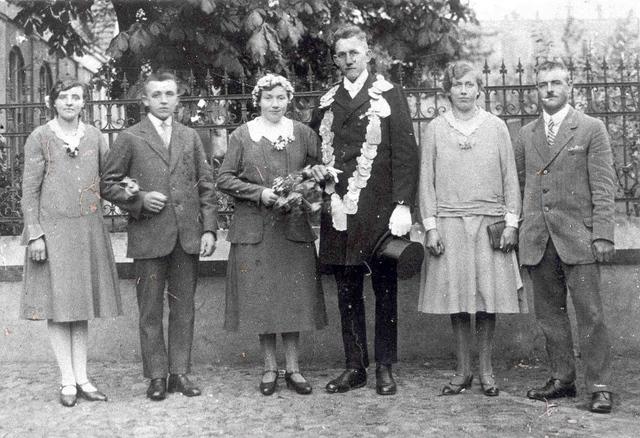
x: 72, y: 151
x: 282, y: 141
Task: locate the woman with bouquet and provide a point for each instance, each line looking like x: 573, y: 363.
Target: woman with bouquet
x: 272, y: 281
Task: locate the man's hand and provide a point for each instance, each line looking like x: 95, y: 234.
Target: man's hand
x: 400, y: 221
x: 207, y: 244
x: 603, y: 250
x: 434, y: 243
x: 268, y: 197
x: 38, y: 250
x: 509, y: 239
x: 154, y: 202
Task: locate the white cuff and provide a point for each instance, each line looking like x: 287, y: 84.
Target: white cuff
x: 511, y: 220
x: 429, y: 223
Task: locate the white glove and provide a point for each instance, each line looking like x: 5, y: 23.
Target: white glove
x: 400, y: 221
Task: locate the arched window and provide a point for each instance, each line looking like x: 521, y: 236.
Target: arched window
x: 46, y: 81
x: 17, y: 76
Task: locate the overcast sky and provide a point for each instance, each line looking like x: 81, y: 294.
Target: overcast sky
x: 498, y: 9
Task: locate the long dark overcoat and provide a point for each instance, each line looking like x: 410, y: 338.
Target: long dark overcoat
x: 393, y: 178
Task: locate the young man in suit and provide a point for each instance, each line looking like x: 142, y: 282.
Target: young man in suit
x: 565, y: 165
x: 370, y: 151
x: 172, y: 220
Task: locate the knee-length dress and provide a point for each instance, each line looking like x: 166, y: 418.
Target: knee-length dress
x: 273, y: 284
x: 61, y: 202
x: 468, y: 180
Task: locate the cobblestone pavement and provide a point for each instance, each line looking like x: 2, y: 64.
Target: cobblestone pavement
x: 231, y: 406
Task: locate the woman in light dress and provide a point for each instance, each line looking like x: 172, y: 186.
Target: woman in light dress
x: 69, y: 272
x: 468, y: 181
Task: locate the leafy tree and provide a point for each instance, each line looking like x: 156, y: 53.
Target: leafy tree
x: 243, y: 37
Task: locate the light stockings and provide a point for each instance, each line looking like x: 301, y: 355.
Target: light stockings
x: 485, y: 328
x: 69, y: 343
x: 290, y: 342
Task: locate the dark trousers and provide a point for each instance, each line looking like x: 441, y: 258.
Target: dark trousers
x: 551, y: 278
x: 349, y: 280
x: 179, y: 270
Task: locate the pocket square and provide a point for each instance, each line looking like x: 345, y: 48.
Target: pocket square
x: 576, y: 148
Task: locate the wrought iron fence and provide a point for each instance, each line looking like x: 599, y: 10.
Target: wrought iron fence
x: 611, y: 94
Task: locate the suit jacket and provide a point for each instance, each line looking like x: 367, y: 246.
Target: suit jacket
x: 393, y: 178
x: 569, y: 188
x: 248, y: 168
x: 180, y: 172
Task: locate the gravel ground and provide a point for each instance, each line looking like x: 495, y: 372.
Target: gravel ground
x: 231, y: 406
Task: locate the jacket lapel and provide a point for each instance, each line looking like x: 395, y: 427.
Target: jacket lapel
x: 566, y: 132
x: 176, y: 145
x: 540, y: 140
x: 151, y: 137
x: 350, y: 105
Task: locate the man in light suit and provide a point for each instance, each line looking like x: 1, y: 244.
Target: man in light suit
x: 565, y: 165
x: 172, y: 220
x: 369, y: 199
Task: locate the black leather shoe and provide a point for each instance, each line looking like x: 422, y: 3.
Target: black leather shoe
x: 91, y: 396
x: 554, y: 388
x: 488, y: 385
x: 300, y: 387
x: 456, y: 388
x: 385, y: 385
x: 157, y: 389
x: 601, y: 402
x: 350, y: 378
x: 68, y: 400
x: 268, y: 388
x: 181, y: 383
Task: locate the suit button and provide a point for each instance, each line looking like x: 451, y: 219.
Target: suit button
x: 544, y: 172
x: 545, y: 190
x: 546, y: 208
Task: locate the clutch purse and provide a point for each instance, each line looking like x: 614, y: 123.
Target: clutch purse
x: 495, y: 233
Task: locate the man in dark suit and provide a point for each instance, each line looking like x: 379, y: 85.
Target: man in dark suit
x: 370, y: 151
x: 172, y: 220
x: 565, y: 165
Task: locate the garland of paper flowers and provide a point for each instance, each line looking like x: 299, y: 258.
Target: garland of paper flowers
x: 379, y: 108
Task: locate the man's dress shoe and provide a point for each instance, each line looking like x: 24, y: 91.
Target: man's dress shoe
x: 385, y: 385
x: 601, y: 402
x: 157, y: 389
x: 181, y: 383
x: 350, y: 378
x: 91, y: 395
x: 554, y: 388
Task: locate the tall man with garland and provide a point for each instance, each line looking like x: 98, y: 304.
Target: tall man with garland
x: 370, y: 158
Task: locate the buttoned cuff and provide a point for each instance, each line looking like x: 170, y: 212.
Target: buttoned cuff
x: 511, y: 220
x: 429, y: 223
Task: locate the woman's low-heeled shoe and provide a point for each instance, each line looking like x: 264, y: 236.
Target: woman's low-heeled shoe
x: 268, y: 388
x: 91, y: 396
x: 300, y: 387
x: 453, y: 388
x: 68, y: 400
x: 489, y: 387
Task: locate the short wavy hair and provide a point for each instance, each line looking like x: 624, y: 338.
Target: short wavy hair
x: 65, y: 85
x: 458, y: 69
x: 349, y: 31
x: 267, y: 83
x: 553, y: 64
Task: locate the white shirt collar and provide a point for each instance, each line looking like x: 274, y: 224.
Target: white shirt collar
x: 258, y: 129
x: 157, y: 122
x: 557, y: 118
x: 353, y: 88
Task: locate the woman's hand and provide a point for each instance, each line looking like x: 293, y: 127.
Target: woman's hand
x: 268, y: 197
x: 509, y: 239
x: 434, y: 243
x: 38, y: 250
x: 130, y: 187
